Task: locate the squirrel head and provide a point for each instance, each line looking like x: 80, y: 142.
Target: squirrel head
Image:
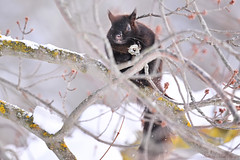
x: 123, y: 28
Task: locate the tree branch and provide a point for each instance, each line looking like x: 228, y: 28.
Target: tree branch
x: 48, y: 53
x: 25, y: 119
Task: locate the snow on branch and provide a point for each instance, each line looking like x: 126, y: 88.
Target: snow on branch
x: 48, y: 53
x: 25, y: 119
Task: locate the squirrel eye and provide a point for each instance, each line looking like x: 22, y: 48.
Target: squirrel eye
x: 128, y: 28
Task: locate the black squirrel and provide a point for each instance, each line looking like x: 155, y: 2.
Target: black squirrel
x: 125, y: 32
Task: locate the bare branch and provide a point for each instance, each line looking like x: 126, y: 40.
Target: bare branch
x: 206, y: 29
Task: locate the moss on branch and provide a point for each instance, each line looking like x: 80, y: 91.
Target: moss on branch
x: 48, y: 53
x: 25, y: 119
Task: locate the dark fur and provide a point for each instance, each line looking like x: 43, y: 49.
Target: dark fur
x: 139, y: 34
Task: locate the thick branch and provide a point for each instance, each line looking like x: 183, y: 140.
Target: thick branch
x: 25, y: 119
x: 175, y: 119
x: 49, y: 105
x: 48, y: 53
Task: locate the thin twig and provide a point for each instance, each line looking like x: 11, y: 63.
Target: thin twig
x: 107, y: 126
x: 114, y: 139
x: 206, y: 29
x: 19, y: 72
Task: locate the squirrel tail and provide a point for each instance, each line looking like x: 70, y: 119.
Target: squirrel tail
x: 156, y: 142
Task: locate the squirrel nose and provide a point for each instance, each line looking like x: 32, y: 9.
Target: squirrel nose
x: 118, y: 36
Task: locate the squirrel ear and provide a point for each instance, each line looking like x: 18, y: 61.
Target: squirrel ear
x: 133, y: 15
x: 110, y: 16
